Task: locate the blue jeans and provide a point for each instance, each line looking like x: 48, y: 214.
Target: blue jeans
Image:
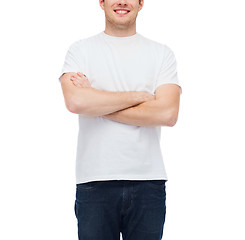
x: 136, y: 208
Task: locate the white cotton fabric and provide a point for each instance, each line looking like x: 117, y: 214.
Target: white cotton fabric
x: 106, y: 149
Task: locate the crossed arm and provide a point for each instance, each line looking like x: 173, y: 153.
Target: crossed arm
x: 161, y: 110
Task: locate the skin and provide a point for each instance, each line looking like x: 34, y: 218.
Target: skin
x: 162, y: 108
x: 121, y: 26
x: 80, y: 80
x: 115, y: 25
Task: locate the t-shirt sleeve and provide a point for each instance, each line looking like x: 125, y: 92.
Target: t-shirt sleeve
x: 71, y: 63
x: 168, y: 71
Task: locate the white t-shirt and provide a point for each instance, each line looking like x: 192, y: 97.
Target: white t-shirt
x: 110, y: 150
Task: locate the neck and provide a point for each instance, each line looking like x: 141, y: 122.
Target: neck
x: 120, y: 32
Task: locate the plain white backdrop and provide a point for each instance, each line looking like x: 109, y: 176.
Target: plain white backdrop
x: 203, y: 153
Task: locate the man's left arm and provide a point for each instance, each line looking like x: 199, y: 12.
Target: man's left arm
x: 163, y: 111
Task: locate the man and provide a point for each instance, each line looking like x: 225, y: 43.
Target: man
x: 123, y: 87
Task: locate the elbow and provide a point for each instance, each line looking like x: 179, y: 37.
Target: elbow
x: 172, y: 122
x: 70, y: 107
x: 73, y: 107
x: 173, y: 118
x: 170, y: 119
x: 78, y: 109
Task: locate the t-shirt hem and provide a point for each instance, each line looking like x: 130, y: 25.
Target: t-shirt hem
x: 139, y: 177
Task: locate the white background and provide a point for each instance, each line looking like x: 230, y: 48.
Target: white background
x: 203, y: 153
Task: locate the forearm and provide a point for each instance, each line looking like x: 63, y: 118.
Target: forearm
x: 144, y: 114
x: 93, y: 102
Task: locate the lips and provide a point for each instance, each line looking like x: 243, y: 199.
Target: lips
x: 121, y: 11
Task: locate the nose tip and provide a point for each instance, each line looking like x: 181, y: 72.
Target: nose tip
x: 122, y: 3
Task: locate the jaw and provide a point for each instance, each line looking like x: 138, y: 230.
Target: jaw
x: 120, y: 20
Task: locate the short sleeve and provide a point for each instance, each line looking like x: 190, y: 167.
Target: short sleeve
x: 168, y: 71
x: 71, y: 63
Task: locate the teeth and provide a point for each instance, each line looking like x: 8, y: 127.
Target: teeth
x: 120, y: 11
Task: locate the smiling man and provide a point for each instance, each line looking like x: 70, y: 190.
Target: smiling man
x: 124, y: 88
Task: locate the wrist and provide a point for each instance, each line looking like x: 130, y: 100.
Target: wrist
x: 139, y: 97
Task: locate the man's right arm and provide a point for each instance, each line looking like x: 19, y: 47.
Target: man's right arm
x: 93, y: 102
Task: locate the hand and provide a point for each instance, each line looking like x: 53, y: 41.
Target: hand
x: 80, y: 80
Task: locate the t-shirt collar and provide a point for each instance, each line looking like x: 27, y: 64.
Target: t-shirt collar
x: 132, y: 37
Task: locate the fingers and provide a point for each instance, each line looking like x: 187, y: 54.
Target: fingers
x: 84, y: 79
x: 75, y: 81
x: 81, y: 74
x: 80, y: 80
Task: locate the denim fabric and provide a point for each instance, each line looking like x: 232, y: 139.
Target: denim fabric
x: 134, y: 208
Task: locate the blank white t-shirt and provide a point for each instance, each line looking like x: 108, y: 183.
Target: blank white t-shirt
x: 110, y: 150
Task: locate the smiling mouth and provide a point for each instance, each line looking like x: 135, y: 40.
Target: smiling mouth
x: 121, y: 12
